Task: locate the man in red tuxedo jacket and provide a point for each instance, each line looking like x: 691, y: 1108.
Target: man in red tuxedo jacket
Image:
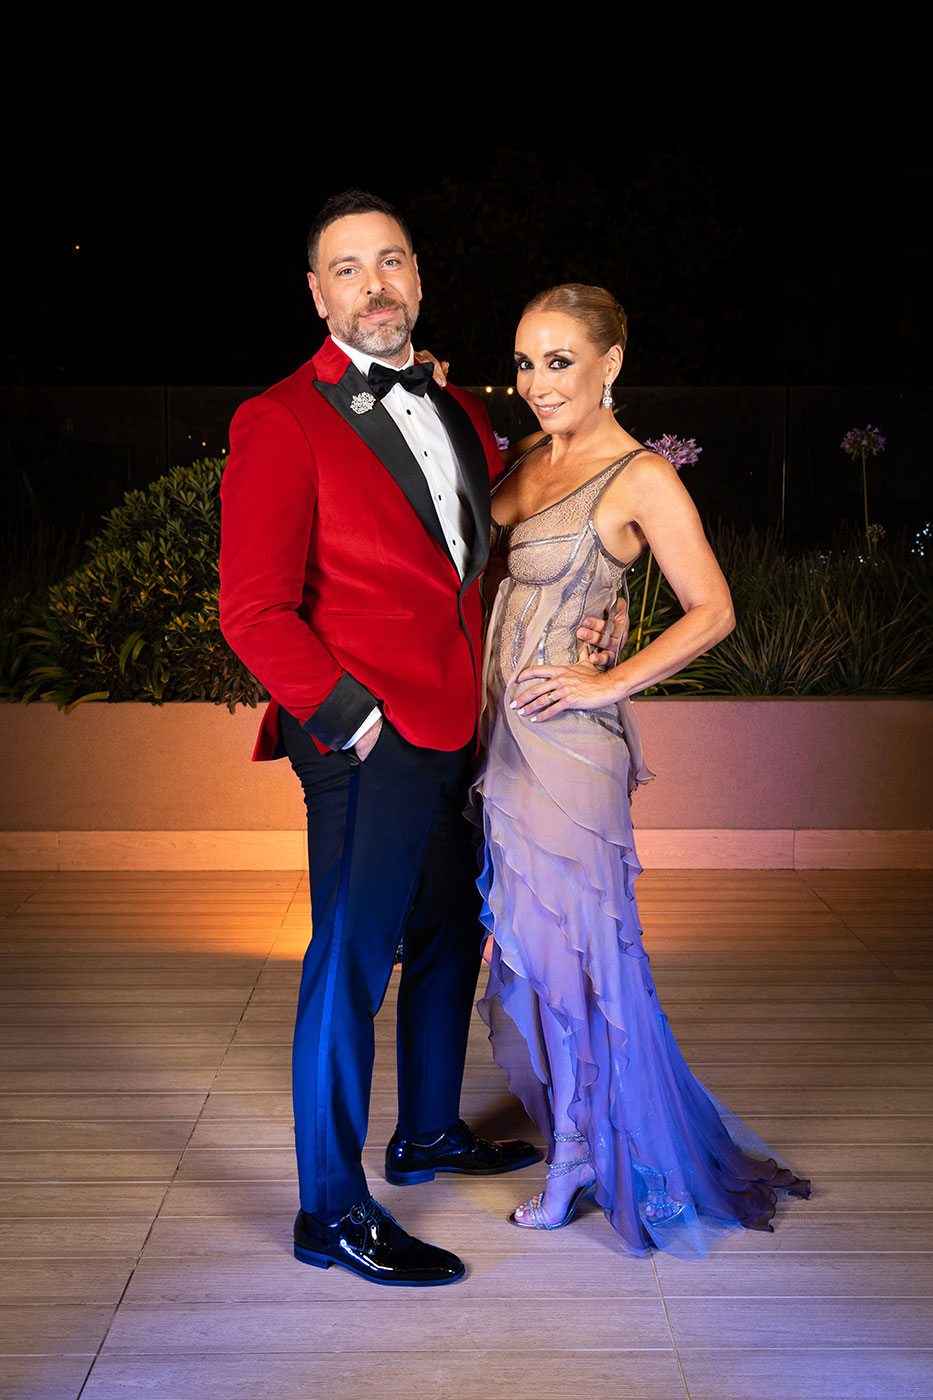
x: 355, y: 530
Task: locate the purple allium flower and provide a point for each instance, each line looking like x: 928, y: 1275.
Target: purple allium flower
x: 502, y: 442
x: 680, y: 452
x: 863, y: 440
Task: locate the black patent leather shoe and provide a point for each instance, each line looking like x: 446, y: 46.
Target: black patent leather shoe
x: 459, y: 1150
x: 371, y: 1242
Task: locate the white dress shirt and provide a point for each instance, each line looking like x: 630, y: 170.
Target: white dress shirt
x: 417, y: 419
x: 420, y: 425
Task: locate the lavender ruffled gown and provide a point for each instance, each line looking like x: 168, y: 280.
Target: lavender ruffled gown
x: 558, y: 897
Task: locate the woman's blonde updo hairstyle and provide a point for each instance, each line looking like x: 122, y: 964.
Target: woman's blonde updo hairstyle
x: 596, y: 309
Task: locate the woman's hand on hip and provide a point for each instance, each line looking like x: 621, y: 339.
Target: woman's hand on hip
x: 549, y: 690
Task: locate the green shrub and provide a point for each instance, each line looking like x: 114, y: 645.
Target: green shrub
x: 837, y: 622
x: 139, y: 620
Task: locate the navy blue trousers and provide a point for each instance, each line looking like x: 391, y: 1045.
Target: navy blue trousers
x: 390, y: 855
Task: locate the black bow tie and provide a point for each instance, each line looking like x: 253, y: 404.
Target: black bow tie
x: 415, y: 378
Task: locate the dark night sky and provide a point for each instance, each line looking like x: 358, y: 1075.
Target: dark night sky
x: 763, y: 193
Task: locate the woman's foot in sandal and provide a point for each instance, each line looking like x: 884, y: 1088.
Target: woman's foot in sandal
x: 658, y: 1208
x: 569, y: 1178
x: 661, y: 1208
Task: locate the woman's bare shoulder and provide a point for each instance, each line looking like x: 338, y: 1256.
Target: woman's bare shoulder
x: 648, y: 471
x: 648, y: 486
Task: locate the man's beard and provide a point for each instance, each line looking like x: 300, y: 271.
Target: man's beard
x: 382, y: 339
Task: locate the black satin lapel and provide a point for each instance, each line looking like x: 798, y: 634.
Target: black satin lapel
x: 474, y: 471
x: 381, y: 436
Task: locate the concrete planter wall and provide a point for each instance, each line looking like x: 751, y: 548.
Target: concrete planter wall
x: 748, y: 783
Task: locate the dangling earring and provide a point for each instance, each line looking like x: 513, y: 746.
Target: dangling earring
x: 607, y: 394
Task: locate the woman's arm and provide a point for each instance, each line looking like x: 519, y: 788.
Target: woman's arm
x: 650, y: 505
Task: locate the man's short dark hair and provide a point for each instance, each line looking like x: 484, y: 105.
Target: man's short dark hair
x: 339, y: 206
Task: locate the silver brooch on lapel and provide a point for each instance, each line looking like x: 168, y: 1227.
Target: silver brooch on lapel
x: 362, y: 403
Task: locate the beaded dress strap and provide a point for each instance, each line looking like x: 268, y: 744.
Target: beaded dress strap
x: 516, y: 464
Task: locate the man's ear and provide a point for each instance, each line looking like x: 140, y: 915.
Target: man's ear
x: 315, y: 286
x: 414, y: 258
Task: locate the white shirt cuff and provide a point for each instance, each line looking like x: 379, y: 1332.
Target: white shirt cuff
x: 368, y: 723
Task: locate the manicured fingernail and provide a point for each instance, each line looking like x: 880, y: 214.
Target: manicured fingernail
x: 533, y: 719
x: 521, y: 712
x: 514, y: 705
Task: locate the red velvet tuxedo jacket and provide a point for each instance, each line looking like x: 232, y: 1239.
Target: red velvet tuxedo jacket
x: 336, y: 587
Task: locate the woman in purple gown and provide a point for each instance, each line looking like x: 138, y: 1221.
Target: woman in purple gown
x: 573, y: 1014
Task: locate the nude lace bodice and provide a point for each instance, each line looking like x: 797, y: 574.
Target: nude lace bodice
x: 555, y: 571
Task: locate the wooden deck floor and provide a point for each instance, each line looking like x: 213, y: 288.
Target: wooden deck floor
x: 147, y: 1181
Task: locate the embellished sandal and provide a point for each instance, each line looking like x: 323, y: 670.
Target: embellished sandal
x: 538, y: 1219
x: 659, y: 1208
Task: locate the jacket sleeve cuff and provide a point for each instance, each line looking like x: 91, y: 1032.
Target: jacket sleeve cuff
x: 339, y: 717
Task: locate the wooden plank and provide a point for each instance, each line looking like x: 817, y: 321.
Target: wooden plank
x: 58, y: 1328
x: 128, y: 984
x: 101, y: 1135
x: 746, y: 1048
x: 102, y: 1081
x: 44, y: 1236
x: 83, y: 1199
x: 48, y: 1377
x: 469, y: 1372
x: 822, y: 1076
x: 53, y: 991
x: 121, y: 1036
x: 772, y: 1275
x: 88, y: 1016
x: 453, y: 1320
x: 890, y: 1130
x: 170, y: 1058
x: 60, y: 1167
x: 890, y: 1372
x: 824, y: 1322
x: 246, y: 1104
x: 59, y: 1280
x: 273, y: 1278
